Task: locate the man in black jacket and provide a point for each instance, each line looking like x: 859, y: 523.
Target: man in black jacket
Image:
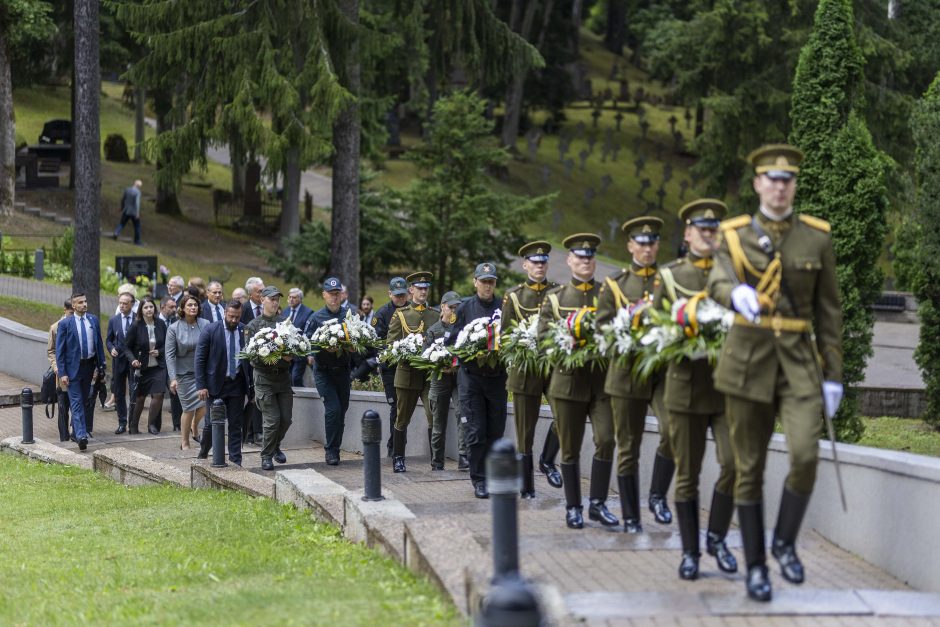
x: 120, y: 367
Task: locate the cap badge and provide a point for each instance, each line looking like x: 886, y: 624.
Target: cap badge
x: 781, y: 160
x: 709, y: 213
x: 647, y: 229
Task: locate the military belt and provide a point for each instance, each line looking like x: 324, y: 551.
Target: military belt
x: 777, y: 324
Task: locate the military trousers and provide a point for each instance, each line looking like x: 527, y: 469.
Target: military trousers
x: 407, y: 400
x: 752, y: 425
x: 484, y: 399
x: 333, y: 385
x: 277, y: 409
x: 629, y: 416
x: 440, y: 397
x: 526, y: 408
x: 571, y: 418
x: 388, y: 384
x: 688, y: 436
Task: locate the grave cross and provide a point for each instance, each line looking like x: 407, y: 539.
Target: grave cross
x: 595, y: 114
x: 688, y: 119
x: 569, y: 167
x: 583, y: 155
x: 667, y: 172
x: 672, y: 123
x: 613, y: 224
x: 644, y: 128
x: 661, y: 194
x: 589, y: 195
x: 640, y: 163
x: 618, y: 120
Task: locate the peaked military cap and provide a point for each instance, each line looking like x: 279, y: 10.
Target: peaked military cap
x: 332, y: 284
x: 398, y: 286
x: 778, y: 161
x: 485, y: 270
x: 582, y: 244
x: 420, y: 279
x: 450, y: 298
x: 535, y: 251
x: 643, y: 230
x: 704, y: 212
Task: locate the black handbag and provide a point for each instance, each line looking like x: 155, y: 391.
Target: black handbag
x: 48, y: 392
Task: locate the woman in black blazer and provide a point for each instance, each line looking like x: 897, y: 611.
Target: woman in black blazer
x: 144, y: 350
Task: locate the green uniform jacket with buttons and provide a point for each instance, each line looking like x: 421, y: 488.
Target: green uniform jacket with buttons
x: 521, y: 302
x: 635, y: 283
x: 405, y: 321
x: 689, y: 387
x: 751, y: 356
x: 573, y: 384
x: 276, y: 375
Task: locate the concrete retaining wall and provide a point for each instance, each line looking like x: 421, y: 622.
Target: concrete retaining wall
x: 23, y: 351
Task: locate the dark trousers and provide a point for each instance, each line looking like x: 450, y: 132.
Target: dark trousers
x: 251, y: 422
x: 233, y: 395
x: 388, y: 383
x: 333, y: 385
x: 120, y: 377
x: 124, y: 219
x: 484, y: 399
x: 297, y: 370
x: 63, y: 420
x: 81, y: 399
x: 176, y: 408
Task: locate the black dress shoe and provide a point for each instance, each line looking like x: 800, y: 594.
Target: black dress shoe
x: 83, y: 444
x: 202, y: 456
x: 176, y: 429
x: 758, y: 583
x: 280, y: 457
x: 267, y: 464
x: 398, y: 464
x: 332, y: 459
x: 631, y: 525
x: 551, y: 473
x: 660, y: 509
x: 121, y: 429
x: 479, y: 490
x: 688, y: 568
x: 598, y: 512
x: 527, y: 494
x: 437, y: 467
x: 573, y: 517
x: 716, y: 546
x: 153, y: 430
x: 790, y: 565
x: 133, y: 431
x: 463, y: 464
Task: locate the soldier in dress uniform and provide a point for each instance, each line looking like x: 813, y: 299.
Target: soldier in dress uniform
x: 519, y: 303
x: 629, y: 397
x: 411, y: 383
x: 693, y: 404
x: 576, y: 393
x: 398, y: 298
x: 783, y: 355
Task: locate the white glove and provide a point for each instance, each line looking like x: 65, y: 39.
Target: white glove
x: 832, y: 395
x: 744, y: 300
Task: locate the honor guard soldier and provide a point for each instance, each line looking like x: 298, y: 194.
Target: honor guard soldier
x: 576, y: 393
x: 629, y: 397
x: 411, y: 383
x: 693, y: 404
x: 442, y: 389
x: 519, y: 303
x: 482, y: 387
x: 783, y: 355
x: 398, y: 298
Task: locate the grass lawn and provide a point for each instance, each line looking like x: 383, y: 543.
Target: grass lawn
x: 87, y: 550
x: 32, y: 314
x: 901, y: 434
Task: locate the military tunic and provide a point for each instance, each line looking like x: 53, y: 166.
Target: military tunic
x: 439, y: 398
x: 380, y: 322
x: 274, y: 396
x: 519, y: 303
x: 410, y: 383
x: 769, y: 367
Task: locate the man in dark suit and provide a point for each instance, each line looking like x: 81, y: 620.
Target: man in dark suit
x: 175, y: 288
x: 220, y: 375
x: 252, y: 308
x: 79, y: 355
x: 298, y: 313
x: 120, y: 367
x: 213, y: 309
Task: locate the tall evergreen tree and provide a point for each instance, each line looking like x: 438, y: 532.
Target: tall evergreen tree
x: 926, y: 128
x: 842, y: 180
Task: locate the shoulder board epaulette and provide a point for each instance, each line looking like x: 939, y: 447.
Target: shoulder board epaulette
x: 555, y: 290
x: 675, y: 263
x: 514, y: 288
x: 816, y: 223
x: 618, y: 274
x: 552, y: 285
x: 736, y: 222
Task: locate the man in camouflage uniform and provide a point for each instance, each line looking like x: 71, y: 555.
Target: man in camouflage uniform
x: 410, y: 383
x: 576, y: 393
x: 442, y: 390
x: 692, y: 402
x: 783, y: 356
x: 629, y: 397
x: 519, y: 303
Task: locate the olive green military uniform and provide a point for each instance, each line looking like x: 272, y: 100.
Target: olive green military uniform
x: 771, y: 367
x: 439, y: 398
x: 274, y: 396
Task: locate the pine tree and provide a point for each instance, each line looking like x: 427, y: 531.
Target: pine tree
x: 842, y: 180
x: 926, y: 126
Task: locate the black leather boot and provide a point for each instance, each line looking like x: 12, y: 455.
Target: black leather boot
x: 573, y: 516
x: 792, y: 509
x: 630, y: 502
x: 719, y: 520
x: 688, y: 529
x: 751, y: 520
x: 547, y: 460
x: 663, y: 469
x: 528, y: 480
x: 600, y: 480
x: 398, y: 450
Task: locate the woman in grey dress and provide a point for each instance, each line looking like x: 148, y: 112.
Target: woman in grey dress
x: 181, y: 339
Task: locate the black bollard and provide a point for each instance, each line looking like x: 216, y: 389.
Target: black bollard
x: 217, y: 418
x: 509, y: 603
x: 371, y: 467
x: 503, y: 481
x: 26, y: 404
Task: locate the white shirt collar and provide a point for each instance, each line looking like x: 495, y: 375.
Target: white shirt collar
x: 774, y: 216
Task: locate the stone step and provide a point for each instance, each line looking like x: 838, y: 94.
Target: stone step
x: 19, y: 205
x: 63, y: 220
x: 33, y: 211
x: 48, y: 215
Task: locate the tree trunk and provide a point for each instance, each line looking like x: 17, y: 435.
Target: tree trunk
x: 167, y: 201
x: 344, y: 243
x: 514, y: 93
x: 577, y: 8
x: 290, y: 200
x: 7, y: 132
x: 86, y: 151
x: 616, y: 26
x: 699, y: 118
x: 140, y: 96
x: 546, y: 22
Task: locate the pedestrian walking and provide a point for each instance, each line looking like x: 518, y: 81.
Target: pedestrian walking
x: 130, y: 210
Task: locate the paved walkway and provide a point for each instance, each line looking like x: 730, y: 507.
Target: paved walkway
x: 48, y: 293
x: 604, y: 577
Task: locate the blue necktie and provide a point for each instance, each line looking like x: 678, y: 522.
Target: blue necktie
x: 231, y: 354
x: 83, y: 341
x: 127, y: 324
x: 218, y: 313
x: 292, y: 312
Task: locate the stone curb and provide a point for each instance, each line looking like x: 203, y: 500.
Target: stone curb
x: 45, y: 452
x: 231, y: 477
x: 133, y: 469
x: 310, y: 490
x: 377, y: 524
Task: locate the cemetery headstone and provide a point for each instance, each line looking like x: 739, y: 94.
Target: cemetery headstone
x: 583, y: 155
x: 678, y: 141
x: 640, y: 163
x: 688, y: 118
x: 667, y: 172
x: 591, y: 141
x: 595, y: 114
x: 661, y: 194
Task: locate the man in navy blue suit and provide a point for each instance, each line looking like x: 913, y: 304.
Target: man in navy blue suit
x: 221, y: 375
x: 120, y: 367
x: 79, y: 355
x: 213, y: 309
x: 298, y: 313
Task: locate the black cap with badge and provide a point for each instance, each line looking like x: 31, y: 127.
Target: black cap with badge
x: 332, y: 284
x: 398, y: 286
x: 485, y: 270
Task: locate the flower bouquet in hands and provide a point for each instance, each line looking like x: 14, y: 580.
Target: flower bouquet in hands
x: 519, y: 347
x: 572, y: 342
x: 268, y: 346
x: 436, y: 359
x: 401, y: 350
x: 479, y: 342
x: 350, y: 335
